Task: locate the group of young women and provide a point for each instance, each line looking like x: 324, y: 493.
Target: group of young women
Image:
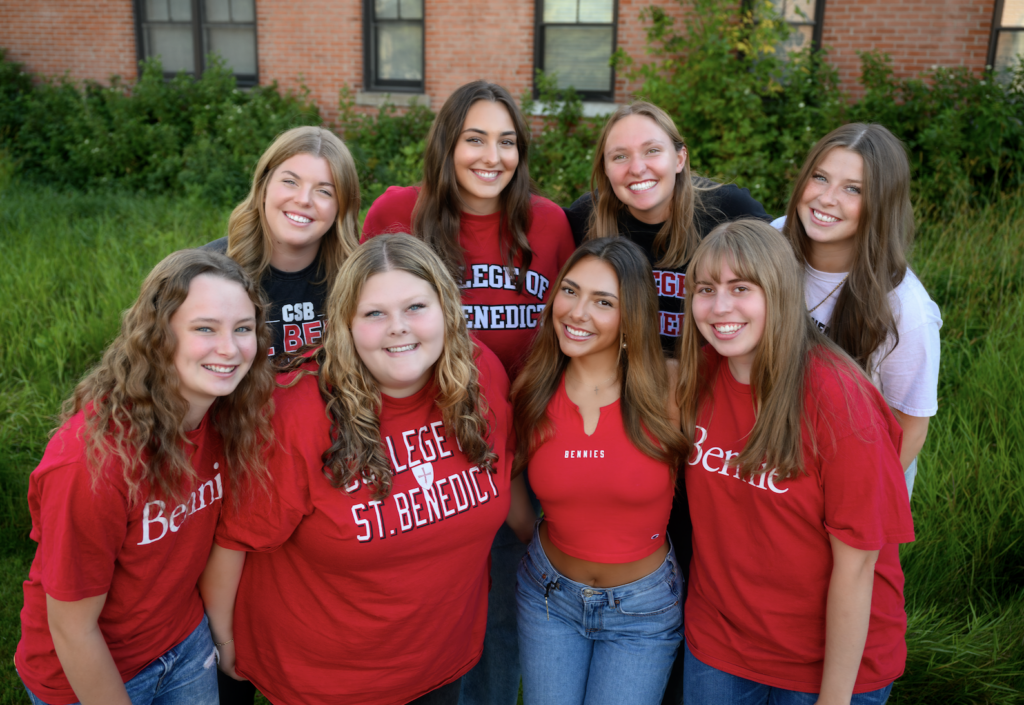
x: 362, y: 531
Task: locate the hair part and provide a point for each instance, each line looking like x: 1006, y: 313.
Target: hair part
x: 250, y: 241
x: 350, y: 391
x: 641, y: 363
x: 437, y: 215
x: 134, y: 410
x: 862, y: 318
x: 678, y: 238
x: 757, y: 253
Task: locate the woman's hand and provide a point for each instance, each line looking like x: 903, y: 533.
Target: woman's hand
x: 227, y: 660
x: 218, y: 585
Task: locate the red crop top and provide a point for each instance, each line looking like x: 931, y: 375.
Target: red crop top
x: 604, y: 500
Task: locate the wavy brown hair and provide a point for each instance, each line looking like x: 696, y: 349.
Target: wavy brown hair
x: 134, y: 411
x: 757, y: 253
x: 862, y: 318
x: 249, y: 239
x: 438, y: 210
x: 350, y: 391
x: 641, y: 365
x: 678, y: 237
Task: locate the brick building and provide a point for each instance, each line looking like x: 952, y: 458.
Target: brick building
x: 426, y: 48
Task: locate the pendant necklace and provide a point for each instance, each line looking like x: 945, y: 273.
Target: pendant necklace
x: 597, y: 387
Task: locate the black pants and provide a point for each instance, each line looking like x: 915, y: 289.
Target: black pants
x: 234, y: 692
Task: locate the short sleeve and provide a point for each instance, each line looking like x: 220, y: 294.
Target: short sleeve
x: 866, y: 501
x: 80, y: 531
x: 730, y: 202
x: 391, y: 212
x: 909, y: 374
x: 578, y: 215
x: 263, y: 519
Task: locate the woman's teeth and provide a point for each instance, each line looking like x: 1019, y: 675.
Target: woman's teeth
x: 486, y: 174
x: 222, y: 369
x: 401, y: 348
x: 295, y: 217
x: 825, y: 218
x: 578, y: 333
x: 728, y: 328
x: 642, y: 186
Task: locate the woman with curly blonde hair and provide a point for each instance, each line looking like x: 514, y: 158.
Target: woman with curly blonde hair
x: 128, y: 494
x: 364, y: 579
x: 295, y: 228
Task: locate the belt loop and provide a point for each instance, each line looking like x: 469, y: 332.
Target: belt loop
x: 611, y: 598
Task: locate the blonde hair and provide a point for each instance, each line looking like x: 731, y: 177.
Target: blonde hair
x: 350, y: 391
x: 757, y: 253
x: 678, y: 238
x: 641, y: 365
x: 134, y: 411
x: 250, y: 242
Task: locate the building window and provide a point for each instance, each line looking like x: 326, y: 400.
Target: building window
x: 183, y: 32
x: 575, y: 40
x: 1007, y: 35
x: 805, y: 21
x: 393, y: 43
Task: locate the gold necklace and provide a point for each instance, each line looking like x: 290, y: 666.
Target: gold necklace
x: 597, y: 387
x: 829, y: 295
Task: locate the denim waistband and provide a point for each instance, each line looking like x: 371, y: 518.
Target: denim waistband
x: 547, y: 575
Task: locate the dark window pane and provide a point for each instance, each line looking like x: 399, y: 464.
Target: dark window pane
x: 157, y: 11
x: 237, y: 46
x: 580, y: 56
x: 173, y: 45
x: 218, y: 11
x: 400, y: 52
x: 385, y: 9
x: 181, y: 10
x: 243, y: 11
x: 411, y: 9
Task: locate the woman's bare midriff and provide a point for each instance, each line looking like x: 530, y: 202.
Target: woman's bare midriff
x: 601, y: 575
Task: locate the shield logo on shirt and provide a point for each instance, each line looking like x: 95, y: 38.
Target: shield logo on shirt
x: 424, y: 474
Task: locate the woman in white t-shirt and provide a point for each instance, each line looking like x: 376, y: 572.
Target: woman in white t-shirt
x: 850, y: 221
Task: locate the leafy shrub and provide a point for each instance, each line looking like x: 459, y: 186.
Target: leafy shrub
x: 747, y: 114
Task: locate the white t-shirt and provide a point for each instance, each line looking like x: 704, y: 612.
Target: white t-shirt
x: 907, y: 374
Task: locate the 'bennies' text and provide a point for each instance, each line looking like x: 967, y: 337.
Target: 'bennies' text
x: 445, y: 489
x: 503, y: 316
x: 710, y: 457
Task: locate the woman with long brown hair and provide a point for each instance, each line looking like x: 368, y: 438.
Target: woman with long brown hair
x: 795, y: 490
x: 126, y: 499
x: 642, y: 188
x: 294, y: 230
x: 851, y: 223
x: 363, y: 577
x: 599, y: 593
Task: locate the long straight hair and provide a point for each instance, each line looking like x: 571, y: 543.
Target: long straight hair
x: 757, y: 253
x: 436, y: 216
x: 134, y: 410
x: 678, y: 238
x: 350, y: 391
x: 641, y: 363
x: 250, y: 242
x: 862, y: 318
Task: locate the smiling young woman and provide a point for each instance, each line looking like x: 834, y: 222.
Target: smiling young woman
x: 793, y: 462
x: 392, y: 474
x: 850, y: 222
x: 126, y: 499
x: 641, y: 187
x: 294, y: 230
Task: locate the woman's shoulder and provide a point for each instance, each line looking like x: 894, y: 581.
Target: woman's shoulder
x: 494, y: 381
x: 578, y: 215
x: 391, y: 212
x: 837, y: 389
x: 912, y: 305
x: 724, y: 202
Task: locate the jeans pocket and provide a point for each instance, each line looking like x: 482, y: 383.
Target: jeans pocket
x: 656, y: 600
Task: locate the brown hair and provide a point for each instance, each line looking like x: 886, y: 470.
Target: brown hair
x: 862, y: 317
x: 757, y: 253
x: 438, y: 209
x: 678, y: 237
x: 249, y: 238
x: 642, y: 365
x: 133, y: 409
x: 350, y: 391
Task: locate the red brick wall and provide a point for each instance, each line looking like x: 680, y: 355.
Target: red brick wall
x: 91, y: 39
x: 918, y: 34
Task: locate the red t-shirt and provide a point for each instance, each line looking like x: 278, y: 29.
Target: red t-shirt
x: 147, y: 558
x: 603, y: 499
x: 503, y: 319
x: 346, y: 599
x: 762, y: 557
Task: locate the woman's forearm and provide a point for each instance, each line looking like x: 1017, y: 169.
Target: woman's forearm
x: 847, y: 617
x: 915, y: 431
x: 218, y: 586
x: 83, y: 652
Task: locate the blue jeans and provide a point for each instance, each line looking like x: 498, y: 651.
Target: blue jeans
x: 591, y: 645
x: 705, y: 685
x: 184, y: 675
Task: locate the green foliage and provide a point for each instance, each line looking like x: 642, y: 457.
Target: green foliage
x: 748, y: 115
x: 387, y: 147
x: 191, y: 136
x: 562, y: 155
x: 965, y: 133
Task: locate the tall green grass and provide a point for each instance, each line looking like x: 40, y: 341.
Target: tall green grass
x: 72, y: 262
